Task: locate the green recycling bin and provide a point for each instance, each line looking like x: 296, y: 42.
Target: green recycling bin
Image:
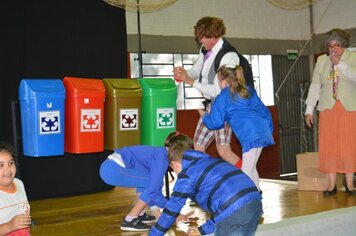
x: 159, y: 108
x: 122, y: 112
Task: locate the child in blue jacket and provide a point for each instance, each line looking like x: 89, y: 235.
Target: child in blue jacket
x: 141, y: 167
x: 249, y: 118
x: 219, y: 188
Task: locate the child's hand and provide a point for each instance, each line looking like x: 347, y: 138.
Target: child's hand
x: 201, y: 112
x: 20, y: 222
x: 182, y: 218
x: 193, y: 231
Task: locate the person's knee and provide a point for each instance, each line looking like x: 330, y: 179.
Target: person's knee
x: 199, y: 147
x: 105, y: 176
x: 224, y: 150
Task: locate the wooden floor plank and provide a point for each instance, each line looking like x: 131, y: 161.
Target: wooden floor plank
x: 101, y: 213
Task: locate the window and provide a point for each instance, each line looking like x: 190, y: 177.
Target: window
x: 160, y: 65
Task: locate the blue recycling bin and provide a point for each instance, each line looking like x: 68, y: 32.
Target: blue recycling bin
x: 42, y: 117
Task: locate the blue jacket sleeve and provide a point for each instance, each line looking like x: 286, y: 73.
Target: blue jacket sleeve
x: 216, y: 118
x: 207, y: 228
x: 158, y: 169
x: 181, y: 192
x: 154, y: 162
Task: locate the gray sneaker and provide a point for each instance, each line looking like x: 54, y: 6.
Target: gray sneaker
x: 134, y: 225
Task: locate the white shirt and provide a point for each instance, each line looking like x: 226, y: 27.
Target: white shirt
x: 210, y: 90
x: 13, y: 204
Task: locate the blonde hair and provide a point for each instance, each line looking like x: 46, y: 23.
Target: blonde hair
x: 234, y: 76
x: 177, y: 144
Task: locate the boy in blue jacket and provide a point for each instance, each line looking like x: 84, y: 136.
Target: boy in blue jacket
x: 141, y: 167
x: 218, y: 187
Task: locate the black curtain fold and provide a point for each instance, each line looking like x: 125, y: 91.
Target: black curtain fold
x: 53, y: 39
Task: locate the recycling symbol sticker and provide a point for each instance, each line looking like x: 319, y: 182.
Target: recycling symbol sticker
x: 128, y: 119
x: 165, y: 118
x: 90, y: 120
x: 49, y: 122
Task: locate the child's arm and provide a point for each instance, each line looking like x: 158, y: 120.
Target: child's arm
x: 172, y: 208
x: 215, y: 119
x: 16, y: 223
x: 201, y: 112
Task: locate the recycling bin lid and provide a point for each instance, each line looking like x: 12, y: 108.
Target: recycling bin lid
x: 158, y: 86
x: 84, y: 87
x: 122, y: 87
x: 39, y: 88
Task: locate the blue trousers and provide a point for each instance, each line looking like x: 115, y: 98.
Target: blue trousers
x: 113, y: 174
x: 244, y: 222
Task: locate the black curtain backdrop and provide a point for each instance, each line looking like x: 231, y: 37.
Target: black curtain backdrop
x: 54, y: 39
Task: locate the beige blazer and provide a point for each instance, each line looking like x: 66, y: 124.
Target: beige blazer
x: 321, y: 88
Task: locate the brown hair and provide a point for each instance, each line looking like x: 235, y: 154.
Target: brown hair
x: 235, y: 78
x: 7, y: 148
x: 177, y: 143
x: 209, y: 27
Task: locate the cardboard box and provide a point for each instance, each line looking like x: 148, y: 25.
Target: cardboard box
x: 309, y: 176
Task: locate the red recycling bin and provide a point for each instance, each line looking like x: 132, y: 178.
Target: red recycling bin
x: 84, y: 115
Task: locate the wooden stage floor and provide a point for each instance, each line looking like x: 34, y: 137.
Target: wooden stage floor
x: 101, y: 213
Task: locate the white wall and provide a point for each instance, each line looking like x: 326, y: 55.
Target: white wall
x: 252, y: 19
x: 334, y: 14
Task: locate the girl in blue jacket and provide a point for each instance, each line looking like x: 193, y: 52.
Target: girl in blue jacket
x: 249, y: 118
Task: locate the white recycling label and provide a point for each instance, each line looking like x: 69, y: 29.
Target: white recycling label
x: 90, y: 120
x: 128, y: 119
x: 165, y: 118
x: 49, y: 122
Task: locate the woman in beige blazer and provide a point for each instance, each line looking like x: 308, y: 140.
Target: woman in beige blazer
x: 334, y: 87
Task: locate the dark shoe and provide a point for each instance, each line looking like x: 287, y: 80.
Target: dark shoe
x: 328, y: 193
x: 350, y: 192
x: 146, y: 218
x: 134, y: 225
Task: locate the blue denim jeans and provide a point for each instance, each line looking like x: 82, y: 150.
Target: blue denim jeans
x: 243, y: 222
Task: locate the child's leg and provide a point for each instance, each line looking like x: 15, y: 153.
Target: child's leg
x: 254, y: 220
x: 223, y: 145
x: 242, y: 222
x: 136, y: 210
x: 249, y: 162
x: 202, y: 137
x: 115, y: 175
